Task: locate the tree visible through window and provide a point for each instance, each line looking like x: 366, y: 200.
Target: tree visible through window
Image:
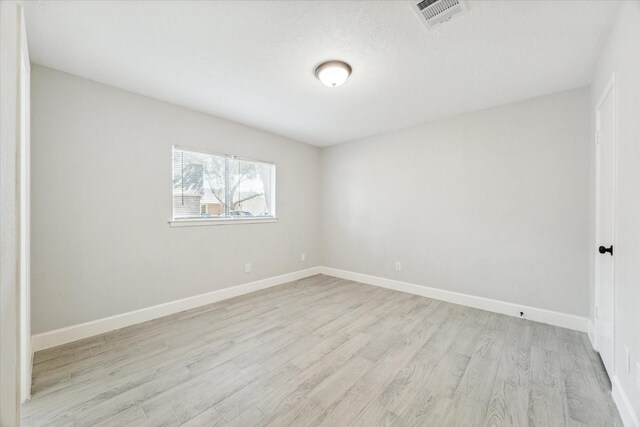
x: 215, y: 186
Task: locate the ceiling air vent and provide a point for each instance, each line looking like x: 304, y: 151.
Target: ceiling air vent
x: 436, y: 12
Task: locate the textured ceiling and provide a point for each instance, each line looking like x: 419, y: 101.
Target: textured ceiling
x: 253, y: 62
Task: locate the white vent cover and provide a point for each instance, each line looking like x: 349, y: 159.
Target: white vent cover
x: 436, y: 12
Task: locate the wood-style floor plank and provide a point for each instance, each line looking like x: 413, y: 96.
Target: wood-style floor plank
x: 324, y: 351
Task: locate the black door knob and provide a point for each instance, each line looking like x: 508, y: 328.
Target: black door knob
x: 604, y: 250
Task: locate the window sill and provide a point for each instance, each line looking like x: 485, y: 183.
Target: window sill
x: 220, y: 221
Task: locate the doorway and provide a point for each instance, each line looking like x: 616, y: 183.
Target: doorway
x: 605, y: 230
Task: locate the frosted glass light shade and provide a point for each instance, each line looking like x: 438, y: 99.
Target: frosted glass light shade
x: 333, y: 73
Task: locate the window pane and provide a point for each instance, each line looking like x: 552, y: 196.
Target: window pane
x: 213, y: 198
x: 198, y: 185
x: 250, y: 188
x: 202, y: 184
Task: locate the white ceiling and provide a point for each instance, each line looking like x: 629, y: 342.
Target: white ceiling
x: 253, y: 62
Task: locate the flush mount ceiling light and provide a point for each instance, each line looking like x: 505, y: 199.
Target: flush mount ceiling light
x: 333, y: 73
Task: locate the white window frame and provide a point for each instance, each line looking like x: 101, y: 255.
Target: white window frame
x: 191, y: 222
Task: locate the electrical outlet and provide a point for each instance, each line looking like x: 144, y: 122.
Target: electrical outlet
x: 627, y: 359
x: 247, y: 268
x: 398, y: 266
x: 303, y: 257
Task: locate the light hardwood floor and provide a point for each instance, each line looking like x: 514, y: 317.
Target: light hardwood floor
x: 325, y: 351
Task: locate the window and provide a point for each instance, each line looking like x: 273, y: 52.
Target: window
x: 210, y: 186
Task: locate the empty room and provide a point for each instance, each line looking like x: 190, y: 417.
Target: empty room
x: 320, y: 213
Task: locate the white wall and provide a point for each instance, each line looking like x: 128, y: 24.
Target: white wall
x: 101, y: 199
x: 492, y: 204
x: 12, y: 49
x: 9, y: 325
x: 622, y: 56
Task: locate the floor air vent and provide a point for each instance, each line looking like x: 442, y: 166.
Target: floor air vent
x: 435, y: 12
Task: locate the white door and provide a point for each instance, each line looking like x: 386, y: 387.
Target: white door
x: 605, y: 177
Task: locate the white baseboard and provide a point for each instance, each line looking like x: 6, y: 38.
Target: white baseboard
x: 85, y: 330
x: 620, y: 398
x: 536, y: 314
x: 591, y: 333
x: 96, y: 327
x: 625, y: 408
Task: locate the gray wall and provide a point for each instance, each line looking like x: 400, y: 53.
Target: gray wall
x: 101, y: 199
x: 622, y: 56
x: 493, y: 203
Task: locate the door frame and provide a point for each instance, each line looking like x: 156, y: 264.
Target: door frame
x: 24, y: 209
x: 610, y: 88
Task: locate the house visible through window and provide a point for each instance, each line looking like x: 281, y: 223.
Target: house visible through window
x: 217, y: 186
